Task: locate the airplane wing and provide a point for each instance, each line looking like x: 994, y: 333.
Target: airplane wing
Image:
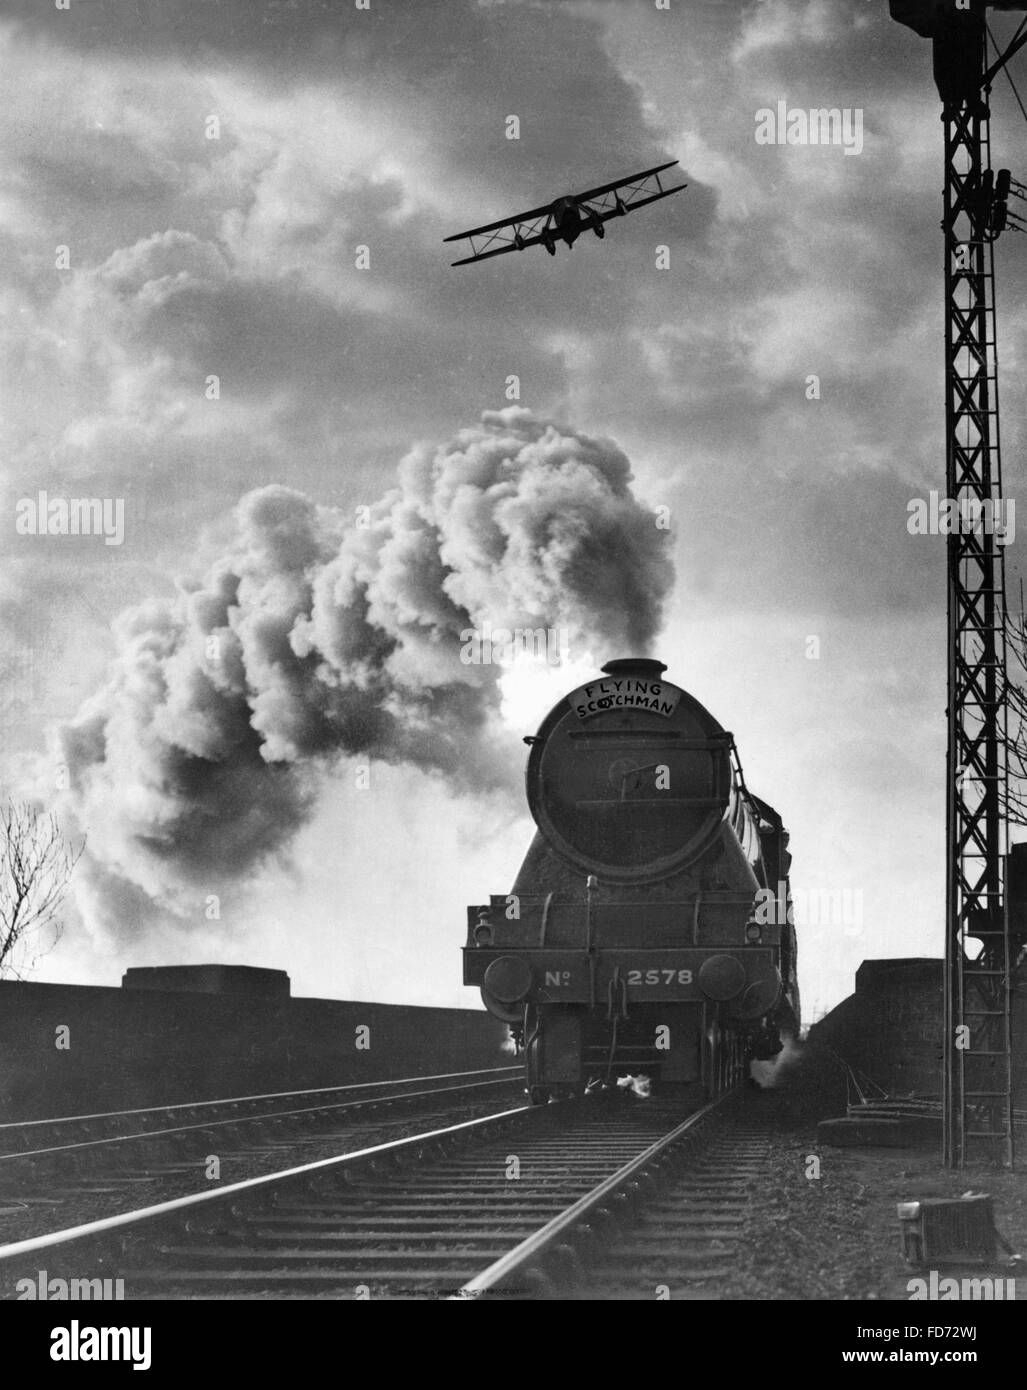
x: 503, y: 236
x: 503, y: 222
x: 500, y: 250
x: 624, y: 183
x: 605, y: 214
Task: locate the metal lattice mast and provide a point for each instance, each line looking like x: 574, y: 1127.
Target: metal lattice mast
x: 978, y: 993
x: 978, y: 1061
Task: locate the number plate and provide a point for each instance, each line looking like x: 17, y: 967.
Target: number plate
x: 562, y: 977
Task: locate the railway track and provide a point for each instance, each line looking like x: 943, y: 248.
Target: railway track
x: 47, y: 1163
x: 689, y: 1234
x: 23, y: 1137
x: 519, y: 1205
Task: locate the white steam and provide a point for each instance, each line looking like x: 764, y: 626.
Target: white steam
x: 318, y: 636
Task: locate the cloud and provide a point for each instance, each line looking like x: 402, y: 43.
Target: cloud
x: 313, y: 639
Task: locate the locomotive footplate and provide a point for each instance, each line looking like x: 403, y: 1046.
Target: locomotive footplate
x: 746, y: 977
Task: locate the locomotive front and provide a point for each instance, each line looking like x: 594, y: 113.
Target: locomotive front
x: 648, y: 929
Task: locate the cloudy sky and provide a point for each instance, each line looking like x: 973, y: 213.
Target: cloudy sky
x: 213, y: 170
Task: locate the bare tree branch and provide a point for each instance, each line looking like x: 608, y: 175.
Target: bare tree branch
x: 36, y: 864
x: 1015, y: 696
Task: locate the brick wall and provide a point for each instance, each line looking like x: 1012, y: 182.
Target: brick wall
x: 142, y: 1047
x: 891, y: 1028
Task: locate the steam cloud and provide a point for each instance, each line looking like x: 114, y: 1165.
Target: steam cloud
x: 318, y: 636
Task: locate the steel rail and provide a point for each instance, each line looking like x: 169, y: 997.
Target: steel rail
x: 15, y: 1155
x: 535, y: 1246
x: 106, y: 1225
x: 242, y: 1100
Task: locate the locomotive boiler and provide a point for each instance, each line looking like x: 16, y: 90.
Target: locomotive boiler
x: 649, y: 929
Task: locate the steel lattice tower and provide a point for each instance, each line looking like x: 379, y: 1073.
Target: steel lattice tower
x: 978, y: 1117
x: 978, y: 1093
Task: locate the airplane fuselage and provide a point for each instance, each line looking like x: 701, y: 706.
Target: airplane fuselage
x: 568, y: 224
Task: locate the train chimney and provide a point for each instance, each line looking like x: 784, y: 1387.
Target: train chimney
x: 642, y: 666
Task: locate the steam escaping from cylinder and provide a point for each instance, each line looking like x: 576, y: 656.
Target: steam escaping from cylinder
x: 771, y: 1072
x: 318, y: 636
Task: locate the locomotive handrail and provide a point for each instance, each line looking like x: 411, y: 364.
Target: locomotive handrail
x: 545, y: 918
x: 631, y: 803
x: 654, y: 736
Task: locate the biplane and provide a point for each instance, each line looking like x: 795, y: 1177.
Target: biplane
x: 566, y: 218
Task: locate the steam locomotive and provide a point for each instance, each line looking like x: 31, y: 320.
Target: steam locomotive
x: 649, y: 931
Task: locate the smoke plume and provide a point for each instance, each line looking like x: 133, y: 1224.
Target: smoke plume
x: 318, y: 636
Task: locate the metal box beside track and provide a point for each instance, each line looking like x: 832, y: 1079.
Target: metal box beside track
x: 949, y: 1230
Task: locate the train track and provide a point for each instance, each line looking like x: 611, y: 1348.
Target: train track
x: 45, y: 1163
x: 688, y: 1235
x: 517, y: 1205
x: 22, y: 1137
